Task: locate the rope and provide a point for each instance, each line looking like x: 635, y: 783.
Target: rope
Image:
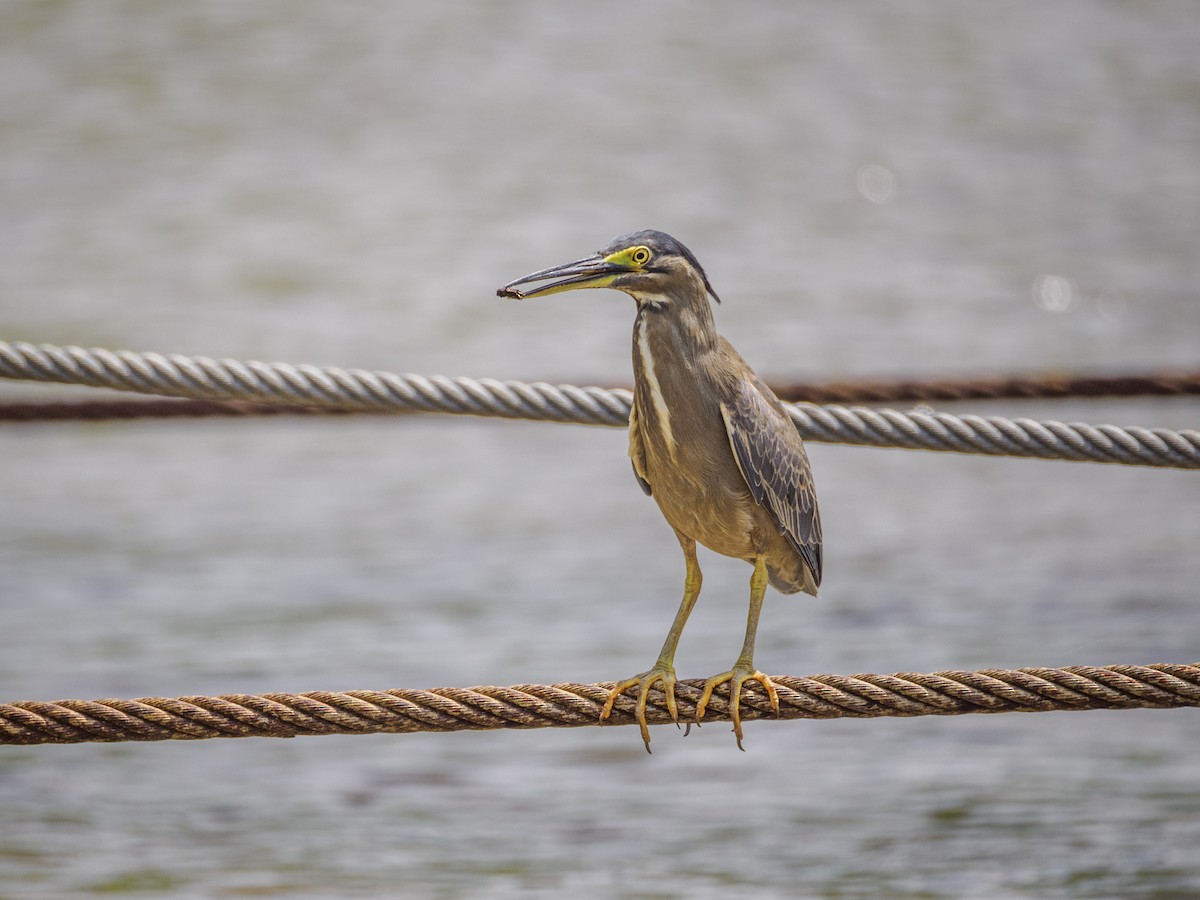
x: 573, y: 705
x: 153, y: 408
x: 944, y: 390
x: 363, y: 391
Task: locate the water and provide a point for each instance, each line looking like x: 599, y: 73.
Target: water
x: 872, y: 191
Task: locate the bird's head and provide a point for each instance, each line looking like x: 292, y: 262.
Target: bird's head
x: 650, y: 266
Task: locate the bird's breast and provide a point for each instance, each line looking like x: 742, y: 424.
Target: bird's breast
x: 690, y: 466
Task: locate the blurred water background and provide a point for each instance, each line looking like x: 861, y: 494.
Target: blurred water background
x: 924, y: 189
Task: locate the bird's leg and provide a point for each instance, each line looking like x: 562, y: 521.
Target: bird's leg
x: 743, y: 670
x: 664, y: 668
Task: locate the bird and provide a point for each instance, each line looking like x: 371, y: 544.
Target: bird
x: 709, y: 442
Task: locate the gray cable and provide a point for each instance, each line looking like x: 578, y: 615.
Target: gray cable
x: 363, y: 391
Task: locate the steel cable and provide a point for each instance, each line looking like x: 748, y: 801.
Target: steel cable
x: 360, y: 390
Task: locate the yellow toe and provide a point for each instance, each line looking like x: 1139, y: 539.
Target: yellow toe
x: 736, y: 677
x: 644, y: 682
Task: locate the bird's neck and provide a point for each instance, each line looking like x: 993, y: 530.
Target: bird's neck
x: 674, y: 328
x: 672, y: 345
x: 671, y: 349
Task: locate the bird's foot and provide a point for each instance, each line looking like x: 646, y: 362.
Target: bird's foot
x: 664, y: 673
x: 736, y: 677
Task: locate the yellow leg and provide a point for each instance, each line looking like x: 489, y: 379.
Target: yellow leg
x: 664, y: 669
x: 743, y: 670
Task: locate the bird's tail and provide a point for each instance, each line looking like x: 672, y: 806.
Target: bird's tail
x: 792, y: 582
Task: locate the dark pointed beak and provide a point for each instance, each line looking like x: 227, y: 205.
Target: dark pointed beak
x: 593, y: 272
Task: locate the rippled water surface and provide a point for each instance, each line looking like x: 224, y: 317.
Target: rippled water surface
x: 873, y: 189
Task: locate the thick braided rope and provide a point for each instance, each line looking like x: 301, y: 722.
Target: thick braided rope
x: 360, y: 390
x: 573, y: 705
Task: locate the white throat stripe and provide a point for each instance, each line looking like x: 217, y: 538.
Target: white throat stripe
x: 656, y: 394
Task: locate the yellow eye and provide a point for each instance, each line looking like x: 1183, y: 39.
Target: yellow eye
x: 639, y: 256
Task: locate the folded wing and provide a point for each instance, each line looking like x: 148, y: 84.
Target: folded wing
x: 771, y: 457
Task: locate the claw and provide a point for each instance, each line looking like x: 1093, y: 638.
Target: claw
x: 736, y: 678
x: 644, y: 683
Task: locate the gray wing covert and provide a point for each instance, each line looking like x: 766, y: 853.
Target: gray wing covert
x: 771, y: 457
x: 637, y: 451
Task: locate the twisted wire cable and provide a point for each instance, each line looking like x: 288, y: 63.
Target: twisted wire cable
x: 874, y: 391
x: 360, y: 390
x: 906, y: 694
x: 929, y: 390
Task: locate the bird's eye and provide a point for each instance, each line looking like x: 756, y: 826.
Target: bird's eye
x: 639, y: 256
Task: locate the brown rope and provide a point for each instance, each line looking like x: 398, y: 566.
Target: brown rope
x: 574, y: 705
x: 942, y: 390
x: 155, y: 408
x: 861, y: 391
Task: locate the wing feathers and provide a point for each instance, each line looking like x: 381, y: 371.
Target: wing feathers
x: 771, y: 457
x: 637, y: 451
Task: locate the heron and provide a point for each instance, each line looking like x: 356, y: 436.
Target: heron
x: 709, y: 442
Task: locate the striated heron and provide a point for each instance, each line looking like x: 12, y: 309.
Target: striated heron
x: 709, y: 441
